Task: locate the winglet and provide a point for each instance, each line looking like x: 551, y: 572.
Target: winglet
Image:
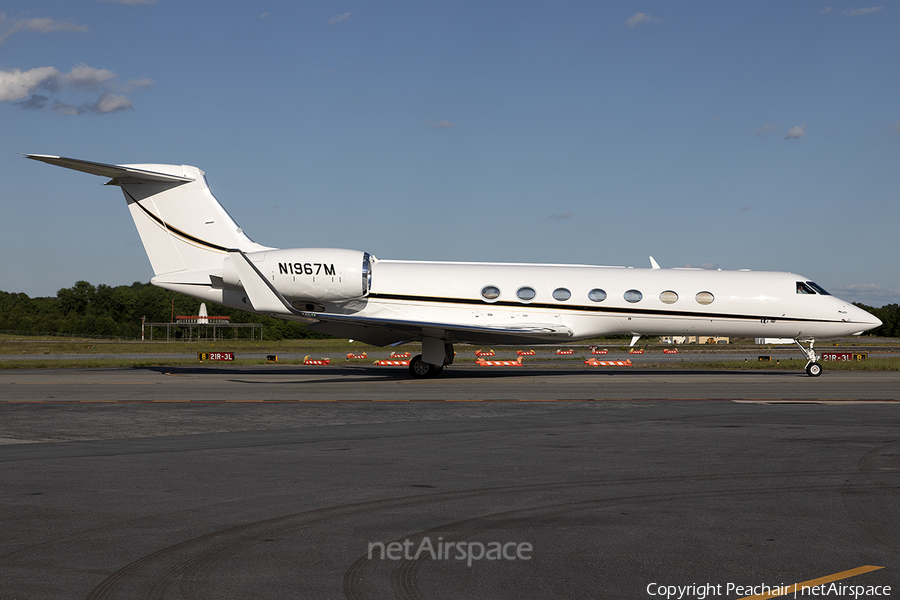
x: 653, y: 263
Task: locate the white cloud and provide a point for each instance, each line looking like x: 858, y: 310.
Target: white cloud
x: 862, y: 12
x: 766, y: 129
x: 796, y: 132
x: 108, y: 103
x: 10, y: 27
x: 138, y: 83
x: 83, y: 76
x: 825, y: 10
x: 642, y: 19
x: 17, y: 84
x: 36, y: 88
x: 339, y: 18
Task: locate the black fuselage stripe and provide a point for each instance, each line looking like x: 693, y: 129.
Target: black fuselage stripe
x: 175, y: 230
x: 612, y: 310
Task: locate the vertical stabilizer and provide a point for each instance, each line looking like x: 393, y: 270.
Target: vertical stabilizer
x: 182, y: 225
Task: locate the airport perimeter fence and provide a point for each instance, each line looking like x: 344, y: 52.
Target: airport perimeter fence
x: 60, y: 334
x: 178, y: 332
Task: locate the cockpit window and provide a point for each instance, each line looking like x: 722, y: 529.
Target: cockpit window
x: 818, y: 288
x: 803, y: 288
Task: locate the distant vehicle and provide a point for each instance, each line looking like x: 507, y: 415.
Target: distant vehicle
x: 197, y: 249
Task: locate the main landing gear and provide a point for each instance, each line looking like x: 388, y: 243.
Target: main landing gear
x: 813, y: 367
x: 421, y: 369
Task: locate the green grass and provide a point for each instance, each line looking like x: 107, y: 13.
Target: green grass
x: 88, y: 347
x: 85, y: 354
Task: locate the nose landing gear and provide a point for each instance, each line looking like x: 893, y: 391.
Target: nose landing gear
x: 813, y: 367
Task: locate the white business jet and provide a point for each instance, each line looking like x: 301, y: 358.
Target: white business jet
x: 196, y: 248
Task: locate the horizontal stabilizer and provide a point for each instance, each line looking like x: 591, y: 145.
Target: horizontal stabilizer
x: 115, y: 172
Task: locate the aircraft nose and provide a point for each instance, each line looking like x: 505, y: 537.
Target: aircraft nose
x: 858, y: 315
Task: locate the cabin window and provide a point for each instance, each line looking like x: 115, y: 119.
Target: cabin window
x: 704, y: 298
x: 818, y: 288
x: 561, y: 294
x: 490, y: 292
x: 526, y: 293
x: 597, y: 295
x: 668, y: 297
x: 633, y: 296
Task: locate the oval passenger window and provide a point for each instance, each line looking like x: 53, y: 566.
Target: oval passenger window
x: 490, y: 292
x: 597, y: 295
x: 669, y: 297
x: 526, y: 293
x: 705, y: 298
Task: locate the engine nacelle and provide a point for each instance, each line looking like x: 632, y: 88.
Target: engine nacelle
x: 310, y: 274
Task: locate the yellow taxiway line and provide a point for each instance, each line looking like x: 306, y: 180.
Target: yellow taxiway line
x: 796, y: 588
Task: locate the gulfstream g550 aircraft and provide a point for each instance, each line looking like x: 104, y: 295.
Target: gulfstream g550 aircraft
x: 197, y: 249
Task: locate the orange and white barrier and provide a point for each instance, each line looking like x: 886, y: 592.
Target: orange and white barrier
x: 670, y: 350
x: 633, y: 351
x: 351, y: 355
x: 599, y: 351
x: 607, y: 363
x: 564, y: 352
x: 499, y: 363
x: 391, y: 363
x: 526, y: 352
x: 484, y: 353
x: 400, y: 355
x: 316, y: 361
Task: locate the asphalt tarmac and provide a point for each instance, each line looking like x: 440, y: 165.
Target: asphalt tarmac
x: 526, y: 482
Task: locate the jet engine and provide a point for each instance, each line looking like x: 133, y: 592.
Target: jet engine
x: 310, y: 275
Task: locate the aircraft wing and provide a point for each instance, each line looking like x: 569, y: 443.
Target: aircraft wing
x: 380, y: 332
x: 265, y: 298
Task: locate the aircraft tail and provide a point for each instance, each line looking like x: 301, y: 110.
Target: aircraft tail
x: 183, y: 227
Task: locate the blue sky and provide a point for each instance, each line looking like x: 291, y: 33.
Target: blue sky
x: 760, y: 135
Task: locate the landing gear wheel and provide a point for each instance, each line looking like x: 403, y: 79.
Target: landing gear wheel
x: 813, y: 368
x: 421, y: 369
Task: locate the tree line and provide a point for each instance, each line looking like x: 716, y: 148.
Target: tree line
x: 102, y: 310
x: 105, y: 311
x: 890, y: 319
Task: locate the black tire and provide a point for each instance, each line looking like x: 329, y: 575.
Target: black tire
x: 421, y: 369
x: 813, y: 369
